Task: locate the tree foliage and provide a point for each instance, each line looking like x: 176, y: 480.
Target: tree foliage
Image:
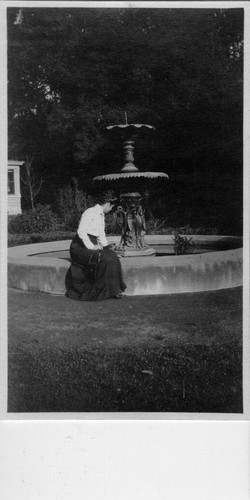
x: 74, y: 71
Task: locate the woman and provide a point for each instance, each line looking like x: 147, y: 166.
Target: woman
x: 95, y: 272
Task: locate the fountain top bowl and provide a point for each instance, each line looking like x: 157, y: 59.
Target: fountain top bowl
x: 130, y: 126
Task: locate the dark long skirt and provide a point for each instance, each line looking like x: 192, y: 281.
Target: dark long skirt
x: 93, y: 274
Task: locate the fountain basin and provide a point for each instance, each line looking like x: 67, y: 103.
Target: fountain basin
x: 43, y: 267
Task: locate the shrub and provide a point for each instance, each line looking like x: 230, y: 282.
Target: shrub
x: 182, y: 244
x: 40, y: 219
x: 27, y: 239
x: 155, y: 225
x: 71, y: 202
x: 18, y: 239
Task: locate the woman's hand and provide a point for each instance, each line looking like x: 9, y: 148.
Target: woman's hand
x: 98, y: 247
x: 112, y: 246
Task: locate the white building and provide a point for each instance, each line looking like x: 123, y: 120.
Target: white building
x: 14, y: 193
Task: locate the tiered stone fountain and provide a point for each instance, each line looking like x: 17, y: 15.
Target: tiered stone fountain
x: 130, y: 213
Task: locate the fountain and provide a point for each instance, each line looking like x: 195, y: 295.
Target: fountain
x: 216, y: 265
x: 130, y: 213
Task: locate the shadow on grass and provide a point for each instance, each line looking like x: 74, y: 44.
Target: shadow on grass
x: 194, y: 378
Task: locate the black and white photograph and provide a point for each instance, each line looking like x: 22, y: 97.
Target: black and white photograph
x: 125, y: 210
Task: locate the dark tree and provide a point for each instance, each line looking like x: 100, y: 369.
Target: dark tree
x: 72, y: 72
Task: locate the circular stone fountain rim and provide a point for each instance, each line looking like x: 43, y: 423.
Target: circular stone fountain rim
x: 27, y: 253
x: 143, y: 275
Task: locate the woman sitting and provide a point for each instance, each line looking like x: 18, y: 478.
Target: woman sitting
x: 95, y: 272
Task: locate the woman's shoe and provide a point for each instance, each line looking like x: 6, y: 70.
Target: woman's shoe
x: 118, y: 296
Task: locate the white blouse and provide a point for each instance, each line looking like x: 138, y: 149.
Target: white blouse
x: 92, y: 222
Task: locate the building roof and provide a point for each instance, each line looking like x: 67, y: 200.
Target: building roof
x: 14, y: 163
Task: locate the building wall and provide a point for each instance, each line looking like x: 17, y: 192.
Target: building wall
x: 14, y: 194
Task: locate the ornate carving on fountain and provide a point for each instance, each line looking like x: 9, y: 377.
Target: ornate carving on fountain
x: 131, y: 220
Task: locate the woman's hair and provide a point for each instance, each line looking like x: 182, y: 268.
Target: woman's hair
x: 107, y: 198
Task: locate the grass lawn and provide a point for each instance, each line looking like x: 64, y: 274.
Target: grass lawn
x: 172, y: 353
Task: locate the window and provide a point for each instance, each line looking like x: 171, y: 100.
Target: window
x: 11, y: 182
